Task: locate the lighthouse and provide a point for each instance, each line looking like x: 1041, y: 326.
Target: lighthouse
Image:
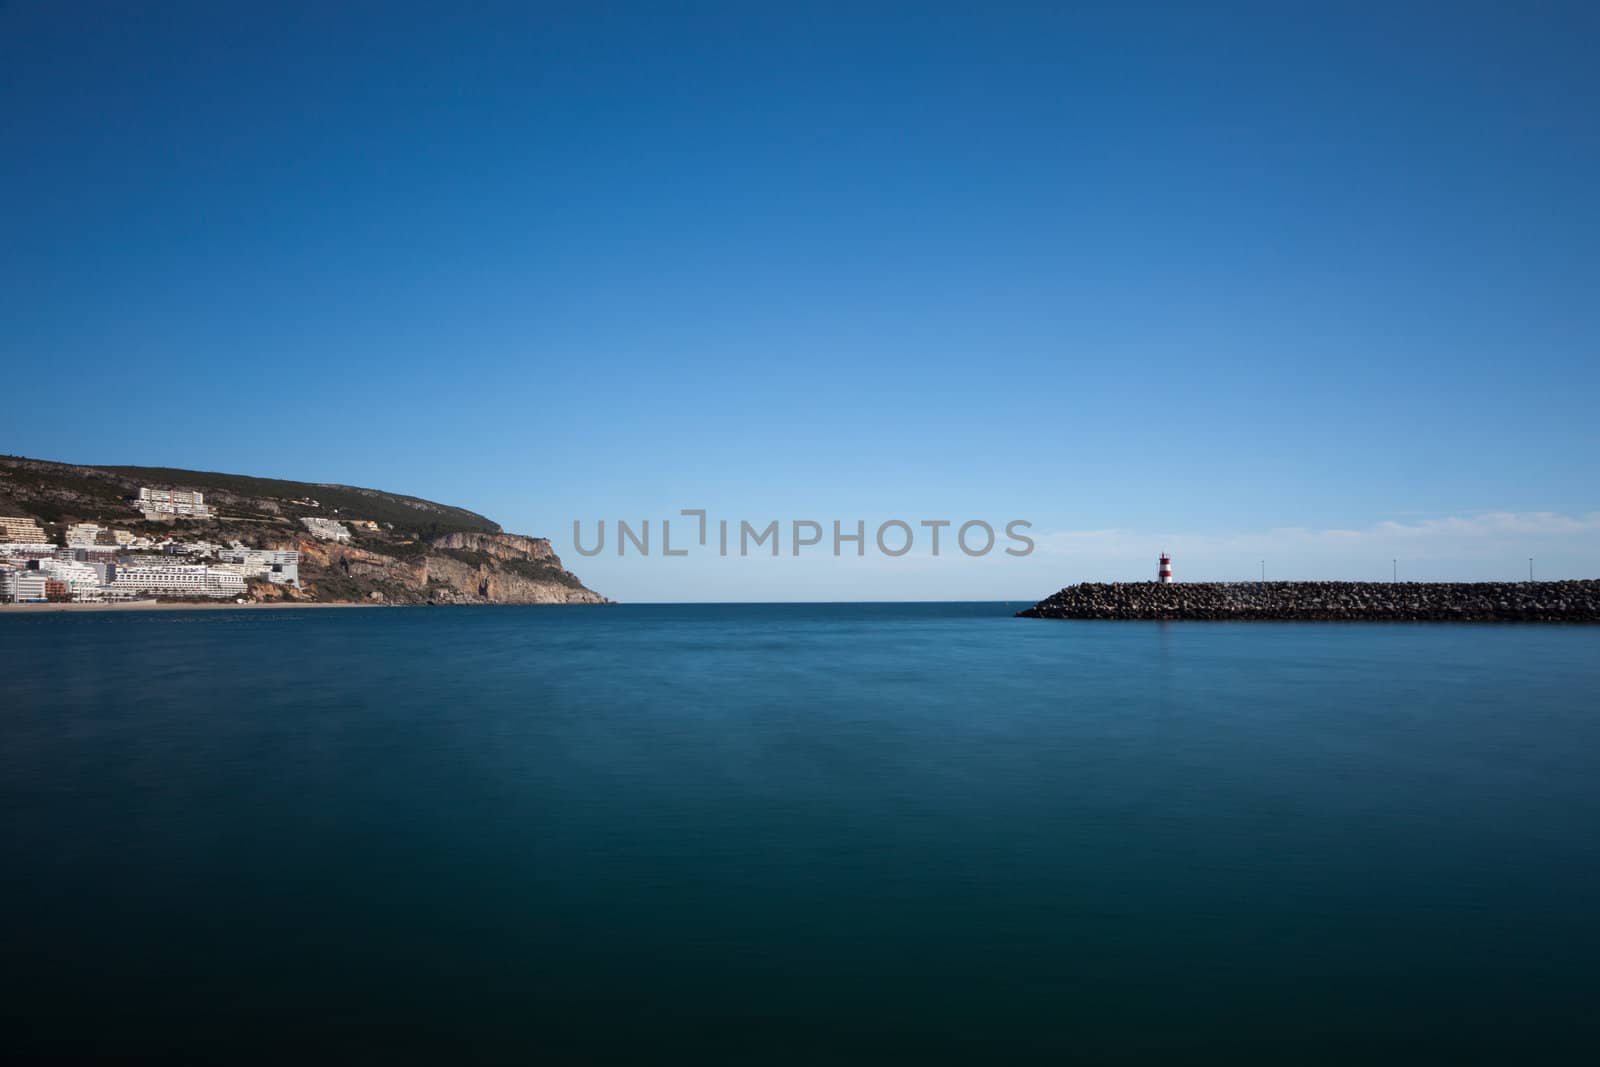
x: 1164, y: 574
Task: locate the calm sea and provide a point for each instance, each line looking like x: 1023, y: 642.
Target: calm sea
x: 831, y: 834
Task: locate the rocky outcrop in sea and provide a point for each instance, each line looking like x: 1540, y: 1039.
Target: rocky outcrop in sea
x: 1571, y: 601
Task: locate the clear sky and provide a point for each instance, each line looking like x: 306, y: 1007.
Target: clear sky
x: 1309, y: 284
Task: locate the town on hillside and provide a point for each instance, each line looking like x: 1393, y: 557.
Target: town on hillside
x: 91, y: 562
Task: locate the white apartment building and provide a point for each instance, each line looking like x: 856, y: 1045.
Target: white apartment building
x: 21, y: 530
x: 27, y: 550
x: 92, y: 535
x: 85, y: 581
x: 327, y: 529
x: 276, y: 565
x: 192, y: 548
x: 179, y: 503
x: 21, y: 587
x: 179, y: 580
x: 83, y: 534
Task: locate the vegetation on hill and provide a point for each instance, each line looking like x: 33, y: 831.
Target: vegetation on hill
x: 64, y: 492
x: 534, y: 570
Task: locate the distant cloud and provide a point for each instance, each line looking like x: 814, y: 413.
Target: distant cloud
x: 1489, y: 535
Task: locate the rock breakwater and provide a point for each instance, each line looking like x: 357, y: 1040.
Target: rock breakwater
x: 1571, y: 601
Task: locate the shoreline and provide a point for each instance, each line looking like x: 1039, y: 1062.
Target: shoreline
x: 169, y: 605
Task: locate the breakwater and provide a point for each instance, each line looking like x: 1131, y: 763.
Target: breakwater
x: 1572, y: 601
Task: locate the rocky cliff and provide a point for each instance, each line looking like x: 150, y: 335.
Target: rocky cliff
x: 1575, y: 601
x: 477, y: 568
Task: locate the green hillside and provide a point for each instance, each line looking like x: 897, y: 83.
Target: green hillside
x: 65, y: 492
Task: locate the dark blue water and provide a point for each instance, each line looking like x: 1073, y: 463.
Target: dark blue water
x: 796, y: 834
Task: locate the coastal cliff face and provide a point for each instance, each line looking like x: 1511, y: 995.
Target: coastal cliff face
x: 1575, y: 601
x: 502, y: 546
x: 456, y: 568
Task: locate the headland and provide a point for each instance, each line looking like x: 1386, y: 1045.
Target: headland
x: 113, y: 537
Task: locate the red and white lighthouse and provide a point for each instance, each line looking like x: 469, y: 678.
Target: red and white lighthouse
x: 1164, y: 575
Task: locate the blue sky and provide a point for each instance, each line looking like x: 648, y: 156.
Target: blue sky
x: 1236, y: 281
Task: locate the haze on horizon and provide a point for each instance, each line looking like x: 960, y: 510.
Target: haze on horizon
x: 1313, y: 287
